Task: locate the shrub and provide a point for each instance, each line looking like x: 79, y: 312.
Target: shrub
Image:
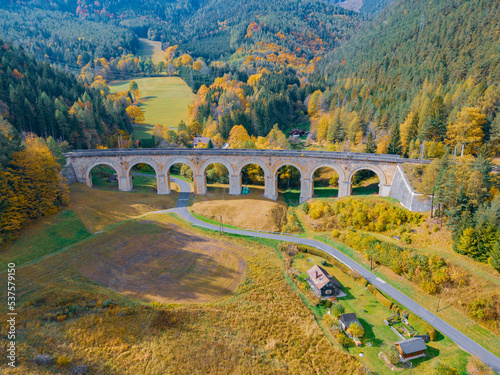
x: 328, y: 304
x: 476, y: 367
x: 335, y: 233
x: 337, y: 309
x: 431, y: 332
x: 355, y: 330
x: 384, y: 301
x: 407, y: 238
x: 372, y: 289
x: 61, y: 318
x: 305, y: 207
x: 163, y: 319
x: 43, y: 360
x: 326, y: 264
x: 343, y: 339
x: 362, y: 281
x: 442, y: 369
x: 63, y: 361
x: 392, y: 354
x: 436, y: 228
x: 108, y: 303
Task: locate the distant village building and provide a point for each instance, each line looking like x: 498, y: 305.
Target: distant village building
x: 298, y: 132
x: 226, y: 146
x: 411, y: 349
x: 198, y: 140
x: 323, y: 283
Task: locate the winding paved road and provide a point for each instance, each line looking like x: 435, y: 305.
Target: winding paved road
x: 459, y: 338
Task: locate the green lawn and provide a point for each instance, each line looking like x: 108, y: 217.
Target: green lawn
x: 148, y: 48
x: 165, y: 101
x: 44, y: 237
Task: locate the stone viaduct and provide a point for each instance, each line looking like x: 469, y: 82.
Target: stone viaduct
x: 393, y: 181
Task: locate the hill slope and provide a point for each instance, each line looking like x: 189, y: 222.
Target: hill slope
x: 416, y: 51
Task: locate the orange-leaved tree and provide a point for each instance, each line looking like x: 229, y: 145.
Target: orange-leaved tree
x: 30, y: 187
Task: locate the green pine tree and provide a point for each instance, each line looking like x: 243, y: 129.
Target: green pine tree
x: 494, y: 259
x: 371, y: 146
x: 395, y: 141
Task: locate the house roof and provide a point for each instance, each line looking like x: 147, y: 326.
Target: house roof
x: 414, y: 345
x: 348, y: 319
x: 320, y: 277
x: 203, y: 140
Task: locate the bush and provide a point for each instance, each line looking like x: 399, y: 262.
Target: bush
x: 476, y: 367
x: 328, y: 304
x: 108, y: 303
x: 362, y: 281
x: 343, y: 339
x: 305, y: 207
x: 431, y: 332
x: 384, y: 301
x: 392, y: 354
x: 372, y: 289
x: 63, y: 361
x: 43, y: 360
x: 61, y: 318
x: 337, y: 309
x: 442, y: 369
x: 335, y: 233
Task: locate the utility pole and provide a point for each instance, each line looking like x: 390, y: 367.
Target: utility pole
x: 221, y: 227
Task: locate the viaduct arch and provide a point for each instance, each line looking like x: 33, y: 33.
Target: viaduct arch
x: 393, y: 181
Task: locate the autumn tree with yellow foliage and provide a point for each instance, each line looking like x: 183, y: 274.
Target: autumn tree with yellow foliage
x: 31, y: 186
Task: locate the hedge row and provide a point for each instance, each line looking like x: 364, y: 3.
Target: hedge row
x: 362, y: 281
x: 384, y: 300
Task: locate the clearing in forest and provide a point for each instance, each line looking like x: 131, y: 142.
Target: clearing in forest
x: 148, y: 48
x: 165, y: 101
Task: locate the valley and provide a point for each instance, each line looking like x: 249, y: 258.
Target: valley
x: 250, y: 187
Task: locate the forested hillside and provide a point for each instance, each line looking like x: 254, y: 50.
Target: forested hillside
x: 429, y: 72
x: 212, y: 29
x: 38, y: 99
x: 63, y: 39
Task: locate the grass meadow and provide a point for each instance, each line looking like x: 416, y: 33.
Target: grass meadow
x: 165, y: 101
x: 92, y: 305
x: 149, y: 48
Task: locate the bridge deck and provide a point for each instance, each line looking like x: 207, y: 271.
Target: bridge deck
x: 248, y: 152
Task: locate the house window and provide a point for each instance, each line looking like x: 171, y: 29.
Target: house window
x: 328, y: 292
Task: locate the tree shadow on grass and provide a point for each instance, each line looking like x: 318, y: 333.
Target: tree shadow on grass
x: 372, y: 189
x: 369, y: 335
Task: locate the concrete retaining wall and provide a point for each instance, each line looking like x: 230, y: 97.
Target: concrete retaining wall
x: 404, y: 193
x: 69, y: 174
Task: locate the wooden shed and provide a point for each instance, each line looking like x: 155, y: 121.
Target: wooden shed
x: 411, y: 349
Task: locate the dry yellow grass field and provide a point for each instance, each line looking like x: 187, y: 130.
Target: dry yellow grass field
x: 251, y: 211
x: 99, y: 208
x: 263, y: 327
x: 161, y: 262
